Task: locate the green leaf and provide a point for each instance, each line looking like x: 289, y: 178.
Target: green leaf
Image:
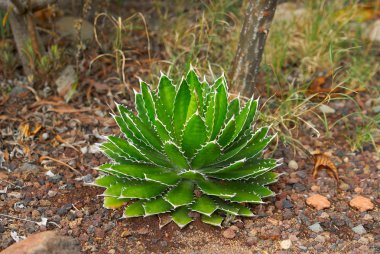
x: 194, y: 83
x: 114, y: 190
x: 180, y: 195
x: 113, y: 203
x: 227, y: 133
x: 116, y: 156
x: 214, y: 220
x: 229, y: 168
x: 106, y: 181
x: 130, y: 135
x: 166, y: 94
x: 220, y: 110
x: 181, y: 216
x: 141, y: 110
x: 204, y: 205
x: 142, y: 189
x: 253, y: 149
x: 140, y: 129
x: 262, y: 191
x: 265, y: 179
x: 130, y: 151
x: 233, y: 109
x: 136, y: 170
x: 194, y: 135
x: 243, y: 192
x: 251, y: 115
x: 241, y: 119
x: 249, y: 169
x: 193, y: 105
x: 162, y: 115
x: 176, y: 156
x: 156, y: 206
x: 210, y: 114
x: 148, y: 100
x: 162, y: 131
x: 135, y: 209
x: 206, y: 155
x: 169, y: 179
x: 123, y: 147
x: 239, y: 146
x: 215, y: 188
x: 245, y: 211
x: 227, y: 207
x: 181, y: 105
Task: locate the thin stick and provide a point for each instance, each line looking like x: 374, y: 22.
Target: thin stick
x: 60, y: 162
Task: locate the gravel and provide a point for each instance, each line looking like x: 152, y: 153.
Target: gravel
x: 359, y: 230
x: 316, y: 227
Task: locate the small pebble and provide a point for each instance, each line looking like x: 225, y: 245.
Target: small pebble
x: 319, y: 202
x: 251, y: 240
x: 316, y: 227
x: 324, y: 215
x: 363, y: 240
x: 286, y: 244
x: 344, y: 186
x: 229, y: 233
x: 320, y: 239
x: 45, y: 136
x: 52, y: 193
x: 359, y: 230
x: 315, y: 188
x: 293, y: 165
x: 362, y: 203
x: 326, y: 109
x: 367, y: 217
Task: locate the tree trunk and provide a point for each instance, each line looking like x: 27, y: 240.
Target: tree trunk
x: 258, y: 18
x: 23, y: 28
x: 20, y: 34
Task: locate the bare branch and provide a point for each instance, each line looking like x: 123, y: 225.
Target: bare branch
x: 255, y: 30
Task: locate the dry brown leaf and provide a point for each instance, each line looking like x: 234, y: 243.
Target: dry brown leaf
x: 68, y: 109
x: 323, y: 85
x: 25, y: 149
x: 25, y: 130
x: 322, y: 161
x: 36, y: 129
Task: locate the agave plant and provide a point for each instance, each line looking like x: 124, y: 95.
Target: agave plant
x: 188, y: 149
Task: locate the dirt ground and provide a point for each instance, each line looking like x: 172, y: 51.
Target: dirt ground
x: 48, y: 154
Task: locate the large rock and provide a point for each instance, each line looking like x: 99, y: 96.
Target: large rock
x: 48, y: 242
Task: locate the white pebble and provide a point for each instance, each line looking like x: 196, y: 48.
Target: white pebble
x: 293, y: 164
x: 286, y: 244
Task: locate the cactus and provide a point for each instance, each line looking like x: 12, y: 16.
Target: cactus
x: 188, y: 149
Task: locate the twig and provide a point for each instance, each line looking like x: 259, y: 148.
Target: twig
x: 60, y: 162
x: 38, y: 223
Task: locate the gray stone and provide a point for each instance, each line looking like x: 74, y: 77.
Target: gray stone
x: 359, y: 230
x: 316, y: 227
x: 27, y: 167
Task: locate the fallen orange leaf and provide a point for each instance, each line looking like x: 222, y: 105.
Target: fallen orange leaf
x: 25, y: 130
x: 323, y: 161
